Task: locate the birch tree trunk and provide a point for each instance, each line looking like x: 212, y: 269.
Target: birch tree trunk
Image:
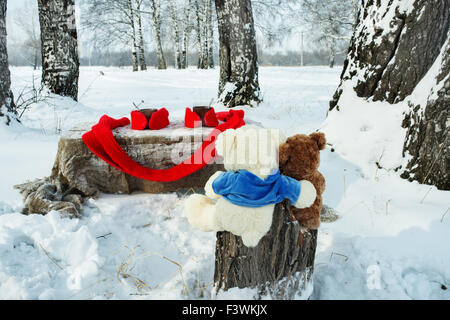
x: 332, y: 48
x: 155, y: 6
x: 387, y: 63
x: 7, y: 107
x: 204, y: 30
x: 59, y: 48
x: 175, y: 33
x: 186, y: 30
x: 210, y: 36
x: 238, y: 84
x: 134, y: 54
x: 140, y: 36
x: 198, y: 29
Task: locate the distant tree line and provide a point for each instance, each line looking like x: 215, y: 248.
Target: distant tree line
x: 181, y: 33
x: 319, y: 57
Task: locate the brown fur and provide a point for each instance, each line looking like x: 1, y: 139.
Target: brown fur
x: 300, y: 158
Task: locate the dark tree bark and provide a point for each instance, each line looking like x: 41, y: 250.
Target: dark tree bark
x: 238, y: 84
x: 388, y: 63
x: 392, y: 62
x: 7, y: 107
x: 277, y: 266
x: 60, y: 64
x: 427, y: 142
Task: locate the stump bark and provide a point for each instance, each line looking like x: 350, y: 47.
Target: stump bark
x: 278, y: 266
x: 78, y: 173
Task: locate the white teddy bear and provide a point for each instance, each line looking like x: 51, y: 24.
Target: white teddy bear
x: 242, y: 200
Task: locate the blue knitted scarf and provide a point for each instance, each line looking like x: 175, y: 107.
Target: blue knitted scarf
x: 243, y: 188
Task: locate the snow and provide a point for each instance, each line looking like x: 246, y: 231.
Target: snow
x: 390, y: 242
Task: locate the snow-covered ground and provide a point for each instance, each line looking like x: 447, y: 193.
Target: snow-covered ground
x: 390, y: 242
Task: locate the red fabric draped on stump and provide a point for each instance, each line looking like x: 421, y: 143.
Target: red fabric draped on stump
x: 100, y: 140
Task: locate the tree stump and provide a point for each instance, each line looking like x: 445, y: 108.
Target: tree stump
x: 78, y: 173
x: 277, y: 266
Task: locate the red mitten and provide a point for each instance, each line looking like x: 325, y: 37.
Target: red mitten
x: 138, y: 120
x: 211, y: 119
x: 191, y: 119
x: 159, y: 119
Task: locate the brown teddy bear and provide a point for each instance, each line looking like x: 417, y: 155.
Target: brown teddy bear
x: 300, y: 158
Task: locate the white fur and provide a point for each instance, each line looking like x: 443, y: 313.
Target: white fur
x: 248, y: 148
x: 307, y: 196
x: 209, y: 192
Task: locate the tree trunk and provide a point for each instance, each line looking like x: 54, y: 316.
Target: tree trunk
x: 60, y: 64
x: 427, y: 143
x: 140, y: 36
x: 198, y: 29
x: 7, y: 107
x: 204, y: 30
x: 277, y: 266
x: 238, y: 84
x: 392, y: 61
x: 36, y: 58
x: 387, y: 64
x: 156, y: 24
x: 175, y: 34
x: 184, y: 40
x: 332, y: 53
x: 210, y: 36
x: 133, y: 43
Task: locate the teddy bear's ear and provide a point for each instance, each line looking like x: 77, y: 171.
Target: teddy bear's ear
x: 319, y: 138
x: 284, y: 153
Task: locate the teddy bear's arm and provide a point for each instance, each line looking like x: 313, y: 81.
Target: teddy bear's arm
x: 307, y: 196
x: 209, y: 192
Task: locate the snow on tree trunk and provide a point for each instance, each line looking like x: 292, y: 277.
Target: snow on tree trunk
x: 277, y: 266
x: 427, y: 144
x: 7, y: 107
x: 210, y: 36
x: 238, y: 84
x: 140, y: 36
x: 133, y: 42
x: 394, y: 45
x: 155, y: 5
x: 175, y: 34
x: 59, y: 48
